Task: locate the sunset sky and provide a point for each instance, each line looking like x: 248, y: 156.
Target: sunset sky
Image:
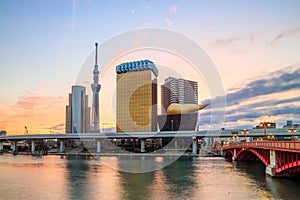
x: 255, y: 46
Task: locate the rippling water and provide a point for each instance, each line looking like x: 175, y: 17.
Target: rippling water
x: 51, y: 177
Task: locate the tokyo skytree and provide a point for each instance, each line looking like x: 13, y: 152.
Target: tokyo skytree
x: 95, y: 88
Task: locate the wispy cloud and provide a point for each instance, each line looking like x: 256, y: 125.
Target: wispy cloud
x: 173, y: 10
x: 169, y: 22
x: 46, y: 128
x: 285, y: 34
x: 278, y: 81
x: 58, y: 127
x: 273, y: 96
x: 74, y: 9
x: 32, y: 111
x: 36, y: 103
x: 248, y: 37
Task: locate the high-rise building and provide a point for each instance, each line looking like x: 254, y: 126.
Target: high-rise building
x: 178, y: 91
x: 136, y: 98
x: 95, y: 88
x: 78, y: 112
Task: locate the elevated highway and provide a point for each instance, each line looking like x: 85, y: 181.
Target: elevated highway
x: 192, y: 136
x: 109, y: 135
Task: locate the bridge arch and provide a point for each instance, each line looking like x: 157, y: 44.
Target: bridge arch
x: 288, y: 167
x: 229, y: 152
x: 256, y: 153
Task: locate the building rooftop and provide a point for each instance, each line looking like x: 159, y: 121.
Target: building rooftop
x: 137, y: 66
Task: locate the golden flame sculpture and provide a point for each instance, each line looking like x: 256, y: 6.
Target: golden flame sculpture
x: 176, y: 108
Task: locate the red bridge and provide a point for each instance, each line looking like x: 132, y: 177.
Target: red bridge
x: 281, y: 158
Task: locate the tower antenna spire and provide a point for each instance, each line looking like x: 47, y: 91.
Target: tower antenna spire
x: 96, y: 54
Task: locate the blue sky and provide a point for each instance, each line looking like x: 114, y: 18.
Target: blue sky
x: 45, y: 43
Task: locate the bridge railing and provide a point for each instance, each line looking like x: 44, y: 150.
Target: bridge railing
x: 267, y: 144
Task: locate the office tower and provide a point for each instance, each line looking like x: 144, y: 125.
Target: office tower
x: 78, y: 112
x: 95, y: 88
x: 178, y: 91
x: 136, y: 104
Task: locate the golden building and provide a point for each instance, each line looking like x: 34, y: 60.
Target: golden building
x: 136, y: 98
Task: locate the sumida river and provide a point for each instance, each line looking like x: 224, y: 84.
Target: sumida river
x: 53, y: 177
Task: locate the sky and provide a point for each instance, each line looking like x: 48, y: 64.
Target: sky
x: 254, y: 46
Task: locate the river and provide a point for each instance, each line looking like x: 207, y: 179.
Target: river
x: 53, y: 177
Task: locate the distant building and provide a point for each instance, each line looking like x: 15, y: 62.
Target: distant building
x: 271, y: 125
x: 180, y: 91
x: 136, y: 98
x: 78, y: 112
x: 2, y: 133
x: 290, y: 124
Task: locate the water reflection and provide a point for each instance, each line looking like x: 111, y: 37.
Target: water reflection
x: 136, y: 185
x: 50, y: 177
x: 136, y: 163
x: 77, y: 172
x: 173, y: 182
x: 90, y: 179
x: 27, y: 177
x: 278, y: 188
x: 180, y: 177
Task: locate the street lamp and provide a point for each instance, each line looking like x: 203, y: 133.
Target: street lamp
x: 245, y: 131
x: 270, y: 136
x: 265, y: 124
x: 172, y: 124
x: 235, y: 137
x: 292, y: 130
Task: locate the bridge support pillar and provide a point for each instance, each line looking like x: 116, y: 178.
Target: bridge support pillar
x: 142, y: 145
x: 98, y: 146
x: 61, y: 146
x: 270, y: 168
x: 32, y: 147
x: 194, y: 146
x: 234, y: 155
x: 14, y: 147
x: 1, y: 145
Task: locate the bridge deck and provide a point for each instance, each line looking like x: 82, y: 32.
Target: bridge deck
x: 292, y: 146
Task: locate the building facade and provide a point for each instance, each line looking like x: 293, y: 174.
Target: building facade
x: 290, y: 124
x: 78, y: 112
x: 180, y: 91
x: 136, y: 98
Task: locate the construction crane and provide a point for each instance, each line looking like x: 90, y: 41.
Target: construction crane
x: 26, y: 130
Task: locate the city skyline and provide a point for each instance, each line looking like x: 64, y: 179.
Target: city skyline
x: 253, y: 45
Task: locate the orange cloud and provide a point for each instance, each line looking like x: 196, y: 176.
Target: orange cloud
x: 36, y: 103
x: 38, y: 113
